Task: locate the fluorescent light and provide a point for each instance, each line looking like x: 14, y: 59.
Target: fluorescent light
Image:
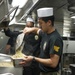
x: 19, y: 3
x: 73, y: 17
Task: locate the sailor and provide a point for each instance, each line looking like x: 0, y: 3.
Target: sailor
x: 31, y: 47
x: 51, y: 43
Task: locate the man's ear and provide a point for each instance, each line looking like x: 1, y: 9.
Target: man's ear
x: 49, y: 22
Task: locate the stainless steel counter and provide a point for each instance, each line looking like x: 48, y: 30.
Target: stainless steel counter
x: 6, y: 65
x: 14, y: 71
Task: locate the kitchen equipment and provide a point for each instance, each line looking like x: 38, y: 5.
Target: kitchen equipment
x: 7, y: 67
x: 5, y: 60
x: 72, y: 67
x: 11, y: 70
x: 66, y: 71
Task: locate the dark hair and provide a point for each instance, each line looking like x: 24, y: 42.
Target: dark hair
x: 32, y: 23
x: 52, y: 18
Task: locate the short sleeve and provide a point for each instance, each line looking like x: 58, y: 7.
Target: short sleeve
x: 56, y: 47
x: 10, y: 41
x: 41, y: 33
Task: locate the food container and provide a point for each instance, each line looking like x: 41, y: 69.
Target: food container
x: 7, y: 67
x: 12, y: 61
x: 16, y: 62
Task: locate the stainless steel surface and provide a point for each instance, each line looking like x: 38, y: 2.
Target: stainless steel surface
x: 14, y: 71
x: 7, y: 67
x: 63, y: 21
x: 5, y: 58
x: 3, y: 8
x: 7, y: 74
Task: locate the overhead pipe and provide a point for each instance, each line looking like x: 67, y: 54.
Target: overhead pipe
x: 6, y: 16
x: 14, y: 12
x: 31, y: 9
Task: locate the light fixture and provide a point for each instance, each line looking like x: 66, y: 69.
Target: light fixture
x: 73, y: 17
x: 19, y: 3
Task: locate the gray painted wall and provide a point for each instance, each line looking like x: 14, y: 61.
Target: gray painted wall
x: 3, y: 41
x: 69, y: 46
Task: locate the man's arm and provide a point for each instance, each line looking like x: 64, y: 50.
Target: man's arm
x: 10, y: 33
x: 33, y: 29
x: 50, y: 62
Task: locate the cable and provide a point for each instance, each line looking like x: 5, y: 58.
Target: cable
x: 14, y: 13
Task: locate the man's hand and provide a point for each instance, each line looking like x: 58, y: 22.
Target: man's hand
x: 26, y: 60
x: 27, y: 30
x: 29, y: 58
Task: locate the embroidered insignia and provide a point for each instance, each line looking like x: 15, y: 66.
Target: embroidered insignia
x: 56, y: 48
x: 44, y: 46
x: 36, y: 37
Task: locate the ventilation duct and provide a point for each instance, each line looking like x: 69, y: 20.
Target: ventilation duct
x: 71, y: 2
x: 10, y: 2
x: 71, y: 6
x: 37, y: 2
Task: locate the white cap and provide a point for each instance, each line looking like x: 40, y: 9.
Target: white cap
x: 29, y: 19
x: 45, y: 12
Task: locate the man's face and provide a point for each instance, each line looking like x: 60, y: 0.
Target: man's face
x: 29, y: 24
x: 43, y: 25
